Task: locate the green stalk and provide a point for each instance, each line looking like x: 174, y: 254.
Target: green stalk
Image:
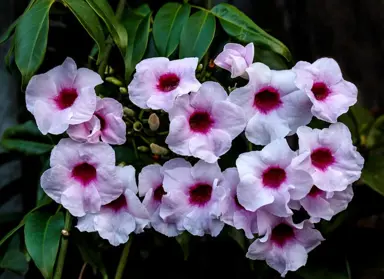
x: 63, y: 247
x: 123, y: 259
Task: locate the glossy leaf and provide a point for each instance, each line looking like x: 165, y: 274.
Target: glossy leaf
x: 197, y: 35
x: 376, y: 133
x: 184, y: 241
x: 242, y: 28
x: 105, y: 12
x: 373, y: 172
x: 137, y: 24
x: 22, y: 222
x: 89, y: 20
x: 14, y: 260
x: 25, y: 138
x: 42, y: 234
x: 167, y: 26
x: 31, y: 38
x: 8, y: 33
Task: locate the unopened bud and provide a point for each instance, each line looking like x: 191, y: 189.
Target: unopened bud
x: 158, y: 150
x: 128, y: 112
x: 114, y: 81
x: 143, y: 148
x: 123, y: 90
x: 122, y: 164
x: 199, y: 67
x: 65, y: 232
x: 211, y: 64
x: 153, y: 122
x: 137, y: 126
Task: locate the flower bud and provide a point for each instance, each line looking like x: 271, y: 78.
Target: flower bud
x: 128, y: 112
x: 199, y: 67
x: 153, y: 122
x: 123, y: 90
x: 137, y: 126
x: 158, y: 150
x: 114, y: 81
x: 143, y: 148
x: 64, y: 232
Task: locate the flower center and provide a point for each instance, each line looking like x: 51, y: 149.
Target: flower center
x: 84, y: 173
x: 238, y: 203
x: 322, y: 158
x: 273, y: 177
x: 200, y: 122
x: 200, y: 194
x: 168, y: 82
x: 66, y: 98
x: 267, y: 99
x: 281, y: 234
x: 159, y: 193
x: 320, y: 91
x: 103, y: 123
x: 315, y: 192
x: 118, y: 204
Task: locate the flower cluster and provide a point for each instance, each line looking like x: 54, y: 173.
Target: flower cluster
x: 259, y: 196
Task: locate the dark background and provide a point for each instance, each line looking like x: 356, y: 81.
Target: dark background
x: 350, y: 31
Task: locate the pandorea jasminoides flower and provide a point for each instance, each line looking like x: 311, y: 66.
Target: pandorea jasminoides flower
x: 62, y: 96
x: 324, y: 205
x: 118, y: 219
x: 151, y: 186
x: 329, y: 156
x: 193, y: 197
x: 274, y: 107
x: 236, y: 58
x: 158, y: 81
x: 323, y: 82
x: 106, y: 123
x: 233, y: 213
x: 285, y: 245
x: 203, y: 124
x: 268, y: 180
x: 82, y: 176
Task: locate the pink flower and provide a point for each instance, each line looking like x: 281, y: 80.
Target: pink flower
x: 274, y: 107
x: 324, y: 205
x: 233, y: 213
x: 158, y: 81
x: 106, y: 123
x: 204, y: 123
x: 82, y: 176
x: 285, y: 245
x: 193, y: 199
x: 62, y: 96
x: 118, y: 219
x: 323, y: 82
x: 151, y: 186
x: 329, y: 156
x: 268, y: 181
x: 235, y: 58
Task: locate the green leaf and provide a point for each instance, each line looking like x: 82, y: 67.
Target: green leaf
x: 241, y: 27
x: 31, y: 38
x: 376, y: 133
x: 25, y: 138
x: 270, y: 58
x: 7, y: 34
x: 14, y: 260
x: 137, y: 26
x: 183, y: 240
x: 42, y: 234
x: 22, y: 222
x: 89, y: 20
x: 197, y: 35
x: 167, y: 26
x: 105, y: 12
x: 373, y: 172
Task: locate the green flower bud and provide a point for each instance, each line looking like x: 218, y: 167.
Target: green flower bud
x: 153, y: 122
x: 158, y: 150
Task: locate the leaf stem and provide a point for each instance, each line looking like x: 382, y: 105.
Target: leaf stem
x: 109, y: 41
x: 63, y: 247
x: 123, y: 259
x: 200, y: 8
x: 135, y: 148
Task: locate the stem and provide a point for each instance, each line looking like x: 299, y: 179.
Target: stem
x: 135, y: 148
x: 208, y: 4
x: 109, y: 42
x: 123, y: 259
x: 200, y: 8
x: 63, y: 247
x: 145, y: 140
